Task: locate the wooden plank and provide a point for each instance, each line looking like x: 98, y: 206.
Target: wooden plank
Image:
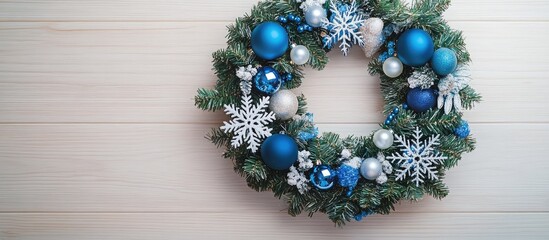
x: 271, y: 225
x: 149, y: 72
x: 170, y: 167
x: 210, y: 10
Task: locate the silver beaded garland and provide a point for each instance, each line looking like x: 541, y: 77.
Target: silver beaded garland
x: 300, y: 54
x: 392, y: 67
x: 314, y: 15
x: 383, y: 138
x: 284, y: 104
x: 371, y: 168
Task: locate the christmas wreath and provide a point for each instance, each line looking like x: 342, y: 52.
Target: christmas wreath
x: 272, y: 140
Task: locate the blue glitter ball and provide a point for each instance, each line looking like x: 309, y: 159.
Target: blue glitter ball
x: 361, y: 215
x: 462, y: 131
x: 267, y: 80
x: 415, y: 47
x: 348, y: 176
x: 421, y: 100
x: 269, y: 40
x: 383, y: 56
x: 444, y: 61
x: 322, y: 177
x: 279, y: 151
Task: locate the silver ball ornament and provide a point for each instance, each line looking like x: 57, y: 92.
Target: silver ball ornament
x: 314, y: 15
x: 284, y: 104
x: 392, y: 67
x: 370, y: 168
x: 300, y: 54
x: 383, y: 138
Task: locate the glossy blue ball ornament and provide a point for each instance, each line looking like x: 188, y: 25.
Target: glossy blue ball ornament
x: 415, y: 47
x: 421, y: 100
x: 267, y: 80
x: 279, y: 151
x: 269, y: 40
x: 322, y: 177
x: 444, y: 61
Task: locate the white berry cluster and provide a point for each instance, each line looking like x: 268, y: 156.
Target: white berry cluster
x: 296, y: 176
x: 245, y: 74
x: 305, y: 4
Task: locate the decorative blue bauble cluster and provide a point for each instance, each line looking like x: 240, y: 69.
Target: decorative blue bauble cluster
x: 444, y: 61
x: 269, y: 40
x: 415, y: 47
x: 290, y: 18
x: 322, y: 177
x: 347, y: 176
x: 267, y: 80
x: 279, y: 151
x: 421, y: 100
x: 389, y: 53
x: 462, y: 131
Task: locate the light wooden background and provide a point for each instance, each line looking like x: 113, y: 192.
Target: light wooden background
x: 99, y: 138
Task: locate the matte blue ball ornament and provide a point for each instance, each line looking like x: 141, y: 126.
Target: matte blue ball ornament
x: 279, y: 152
x: 322, y: 177
x: 421, y: 100
x: 267, y: 80
x: 415, y: 47
x: 444, y: 61
x: 269, y: 40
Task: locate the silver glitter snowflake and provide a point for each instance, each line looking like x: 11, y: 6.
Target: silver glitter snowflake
x: 249, y: 122
x: 417, y: 159
x: 344, y: 26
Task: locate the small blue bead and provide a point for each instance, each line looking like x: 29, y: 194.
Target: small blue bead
x: 297, y: 19
x: 396, y: 110
x: 308, y: 28
x: 405, y: 106
x: 391, y: 117
x: 288, y: 77
x: 300, y: 29
x: 282, y: 19
x: 291, y: 17
x: 387, y: 122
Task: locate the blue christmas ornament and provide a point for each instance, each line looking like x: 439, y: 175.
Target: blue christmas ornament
x: 267, y: 80
x: 279, y: 151
x: 347, y: 176
x: 269, y: 40
x: 462, y: 131
x: 421, y: 100
x: 444, y: 61
x: 322, y: 177
x: 415, y: 47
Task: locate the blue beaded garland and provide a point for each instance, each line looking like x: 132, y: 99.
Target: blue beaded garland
x: 291, y: 17
x: 421, y: 100
x: 282, y: 19
x: 300, y: 29
x: 322, y: 177
x: 297, y: 19
x: 444, y: 61
x: 269, y: 40
x: 279, y: 152
x: 267, y: 80
x: 415, y: 47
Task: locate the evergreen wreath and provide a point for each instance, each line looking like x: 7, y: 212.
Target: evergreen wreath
x: 273, y: 141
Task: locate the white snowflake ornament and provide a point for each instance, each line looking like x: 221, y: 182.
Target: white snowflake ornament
x: 344, y: 26
x: 449, y: 87
x: 249, y: 123
x: 417, y: 159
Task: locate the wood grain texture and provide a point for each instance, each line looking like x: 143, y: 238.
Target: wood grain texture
x: 99, y: 137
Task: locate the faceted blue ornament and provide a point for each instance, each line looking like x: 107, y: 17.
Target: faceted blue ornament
x: 267, y: 80
x: 269, y: 40
x: 415, y: 47
x: 444, y: 61
x: 279, y: 152
x: 322, y: 177
x: 421, y: 100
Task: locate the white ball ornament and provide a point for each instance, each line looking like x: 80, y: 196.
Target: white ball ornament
x: 284, y: 104
x: 383, y: 138
x: 392, y: 67
x: 300, y: 54
x: 371, y: 168
x: 314, y: 15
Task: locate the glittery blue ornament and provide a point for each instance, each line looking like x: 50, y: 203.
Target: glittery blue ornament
x: 462, y: 131
x: 347, y: 176
x: 267, y: 80
x: 322, y: 177
x: 421, y: 100
x: 361, y: 215
x: 444, y: 61
x: 415, y: 47
x: 279, y: 151
x: 269, y: 40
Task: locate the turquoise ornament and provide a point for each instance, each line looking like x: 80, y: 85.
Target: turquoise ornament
x: 269, y: 40
x: 444, y: 61
x: 279, y: 152
x: 322, y: 177
x: 421, y: 100
x: 267, y: 80
x: 415, y: 47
